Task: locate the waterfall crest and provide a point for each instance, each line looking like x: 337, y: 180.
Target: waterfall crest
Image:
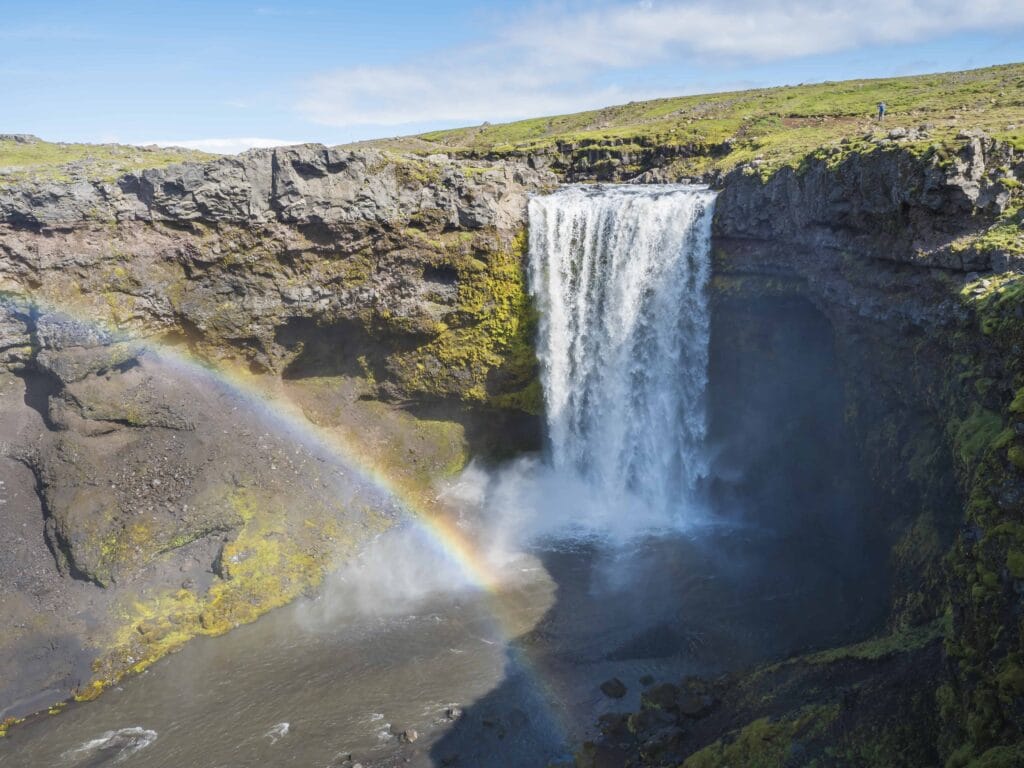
x: 619, y: 275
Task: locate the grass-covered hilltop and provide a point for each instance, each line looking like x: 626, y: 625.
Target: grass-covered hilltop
x: 26, y: 158
x: 771, y: 127
x: 702, y: 134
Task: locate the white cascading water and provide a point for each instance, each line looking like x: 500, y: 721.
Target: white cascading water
x: 619, y: 275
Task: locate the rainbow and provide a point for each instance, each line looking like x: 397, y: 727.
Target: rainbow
x: 286, y: 416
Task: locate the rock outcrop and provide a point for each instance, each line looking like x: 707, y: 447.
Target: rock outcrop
x: 915, y: 263
x: 929, y: 209
x: 302, y: 185
x: 279, y: 250
x: 154, y: 481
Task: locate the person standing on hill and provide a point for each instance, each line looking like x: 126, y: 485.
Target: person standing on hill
x: 881, y: 110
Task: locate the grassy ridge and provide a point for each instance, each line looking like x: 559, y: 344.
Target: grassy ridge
x: 707, y: 132
x: 31, y: 159
x: 775, y: 125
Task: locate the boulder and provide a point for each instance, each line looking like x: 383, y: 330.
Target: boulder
x: 613, y: 688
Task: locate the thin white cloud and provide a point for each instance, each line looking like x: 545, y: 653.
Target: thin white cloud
x: 387, y: 96
x: 561, y: 60
x: 228, y: 146
x: 624, y: 36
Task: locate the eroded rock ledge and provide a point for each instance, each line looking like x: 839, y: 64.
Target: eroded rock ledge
x: 153, y: 501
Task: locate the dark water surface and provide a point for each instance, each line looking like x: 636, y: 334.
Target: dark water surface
x: 526, y: 685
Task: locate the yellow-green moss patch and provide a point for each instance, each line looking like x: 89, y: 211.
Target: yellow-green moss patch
x: 763, y: 743
x: 271, y: 561
x: 485, y: 354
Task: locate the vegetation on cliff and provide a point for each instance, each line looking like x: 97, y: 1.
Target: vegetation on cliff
x: 27, y: 159
x: 770, y: 127
x: 483, y: 351
x: 982, y: 702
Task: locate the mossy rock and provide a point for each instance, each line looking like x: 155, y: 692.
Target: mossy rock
x: 484, y: 353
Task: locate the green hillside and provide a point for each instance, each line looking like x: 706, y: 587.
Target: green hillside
x: 774, y: 125
x: 27, y: 158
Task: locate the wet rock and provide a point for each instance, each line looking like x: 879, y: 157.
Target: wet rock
x: 408, y: 736
x: 15, y: 332
x: 696, y: 705
x: 496, y: 724
x: 517, y: 719
x: 664, y: 697
x: 696, y: 698
x: 647, y: 722
x: 593, y: 755
x: 614, y: 726
x: 1010, y: 494
x: 613, y: 688
x: 664, y: 746
x: 454, y: 712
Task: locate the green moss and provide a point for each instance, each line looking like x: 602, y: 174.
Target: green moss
x: 764, y: 743
x: 987, y: 647
x: 117, y: 547
x: 1010, y: 677
x: 1015, y: 564
x: 1006, y: 236
x: 529, y: 399
x: 485, y: 353
x: 996, y: 301
x: 1017, y: 406
x: 775, y: 126
x: 6, y: 725
x: 269, y: 563
x: 999, y: 757
x: 45, y: 161
x: 412, y: 171
x: 975, y: 433
x: 1015, y: 454
x: 904, y: 641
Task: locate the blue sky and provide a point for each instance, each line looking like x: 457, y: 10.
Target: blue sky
x: 226, y: 74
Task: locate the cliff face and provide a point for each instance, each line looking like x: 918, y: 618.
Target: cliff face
x: 914, y: 262
x: 895, y: 203
x: 155, y: 504
x: 349, y: 283
x: 254, y: 254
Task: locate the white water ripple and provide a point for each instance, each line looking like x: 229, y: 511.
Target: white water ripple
x: 112, y: 747
x: 277, y: 733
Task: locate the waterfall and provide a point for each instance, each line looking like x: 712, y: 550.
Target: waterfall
x: 619, y: 275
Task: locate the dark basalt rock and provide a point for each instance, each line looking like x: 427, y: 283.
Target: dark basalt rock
x: 614, y: 688
x: 893, y: 205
